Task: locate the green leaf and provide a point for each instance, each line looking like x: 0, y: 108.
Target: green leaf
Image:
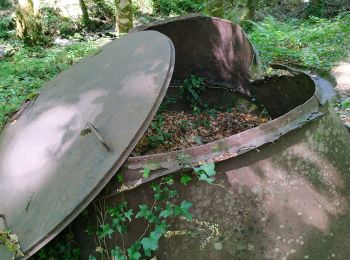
x: 120, y: 177
x: 345, y: 103
x: 146, y: 213
x: 146, y: 172
x: 118, y: 254
x: 161, y: 229
x: 156, y: 138
x: 168, y: 180
x: 116, y: 213
x: 119, y: 226
x: 204, y: 177
x: 197, y: 169
x: 150, y: 243
x: 128, y: 214
x: 133, y: 251
x: 209, y: 169
x: 167, y: 212
x: 172, y: 193
x: 185, y: 205
x: 105, y: 230
x: 183, y: 210
x: 185, y: 179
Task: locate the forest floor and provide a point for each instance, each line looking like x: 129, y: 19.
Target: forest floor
x: 341, y: 72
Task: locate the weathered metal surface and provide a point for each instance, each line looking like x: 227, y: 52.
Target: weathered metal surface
x: 208, y: 47
x: 291, y: 97
x: 282, y: 193
x: 288, y: 200
x: 283, y: 186
x: 67, y: 145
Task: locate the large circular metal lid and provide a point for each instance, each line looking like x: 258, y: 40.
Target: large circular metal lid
x: 65, y: 148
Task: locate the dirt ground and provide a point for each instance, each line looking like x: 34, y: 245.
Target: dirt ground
x: 342, y: 75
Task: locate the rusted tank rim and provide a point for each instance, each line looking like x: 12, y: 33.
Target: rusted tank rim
x: 235, y: 145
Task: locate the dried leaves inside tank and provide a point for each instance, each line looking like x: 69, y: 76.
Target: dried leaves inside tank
x: 170, y: 131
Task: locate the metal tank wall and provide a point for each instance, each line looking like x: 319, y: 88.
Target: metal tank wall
x: 283, y: 188
x: 284, y: 192
x: 208, y: 47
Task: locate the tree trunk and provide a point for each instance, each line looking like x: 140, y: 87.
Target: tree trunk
x: 249, y: 11
x: 85, y: 18
x: 123, y: 16
x: 28, y: 22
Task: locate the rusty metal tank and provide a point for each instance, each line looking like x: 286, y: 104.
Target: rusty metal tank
x: 282, y: 188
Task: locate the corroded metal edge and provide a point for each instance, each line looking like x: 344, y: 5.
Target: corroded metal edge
x: 229, y: 147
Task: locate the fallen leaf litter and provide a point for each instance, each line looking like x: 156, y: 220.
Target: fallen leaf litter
x: 171, y: 131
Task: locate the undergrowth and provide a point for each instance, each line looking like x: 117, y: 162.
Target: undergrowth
x: 157, y: 217
x: 314, y: 44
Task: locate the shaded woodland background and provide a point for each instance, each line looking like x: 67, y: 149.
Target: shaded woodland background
x: 38, y: 21
x: 40, y: 38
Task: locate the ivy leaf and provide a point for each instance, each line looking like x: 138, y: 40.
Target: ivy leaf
x: 150, y: 243
x: 106, y: 230
x: 167, y: 212
x: 204, y: 177
x: 209, y: 169
x: 185, y: 179
x: 185, y: 207
x: 117, y: 215
x: 183, y: 210
x: 158, y: 194
x: 118, y: 254
x: 197, y: 169
x: 128, y: 214
x: 145, y: 213
x: 133, y: 251
x: 161, y: 229
x: 120, y: 227
x: 115, y: 222
x: 172, y: 193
